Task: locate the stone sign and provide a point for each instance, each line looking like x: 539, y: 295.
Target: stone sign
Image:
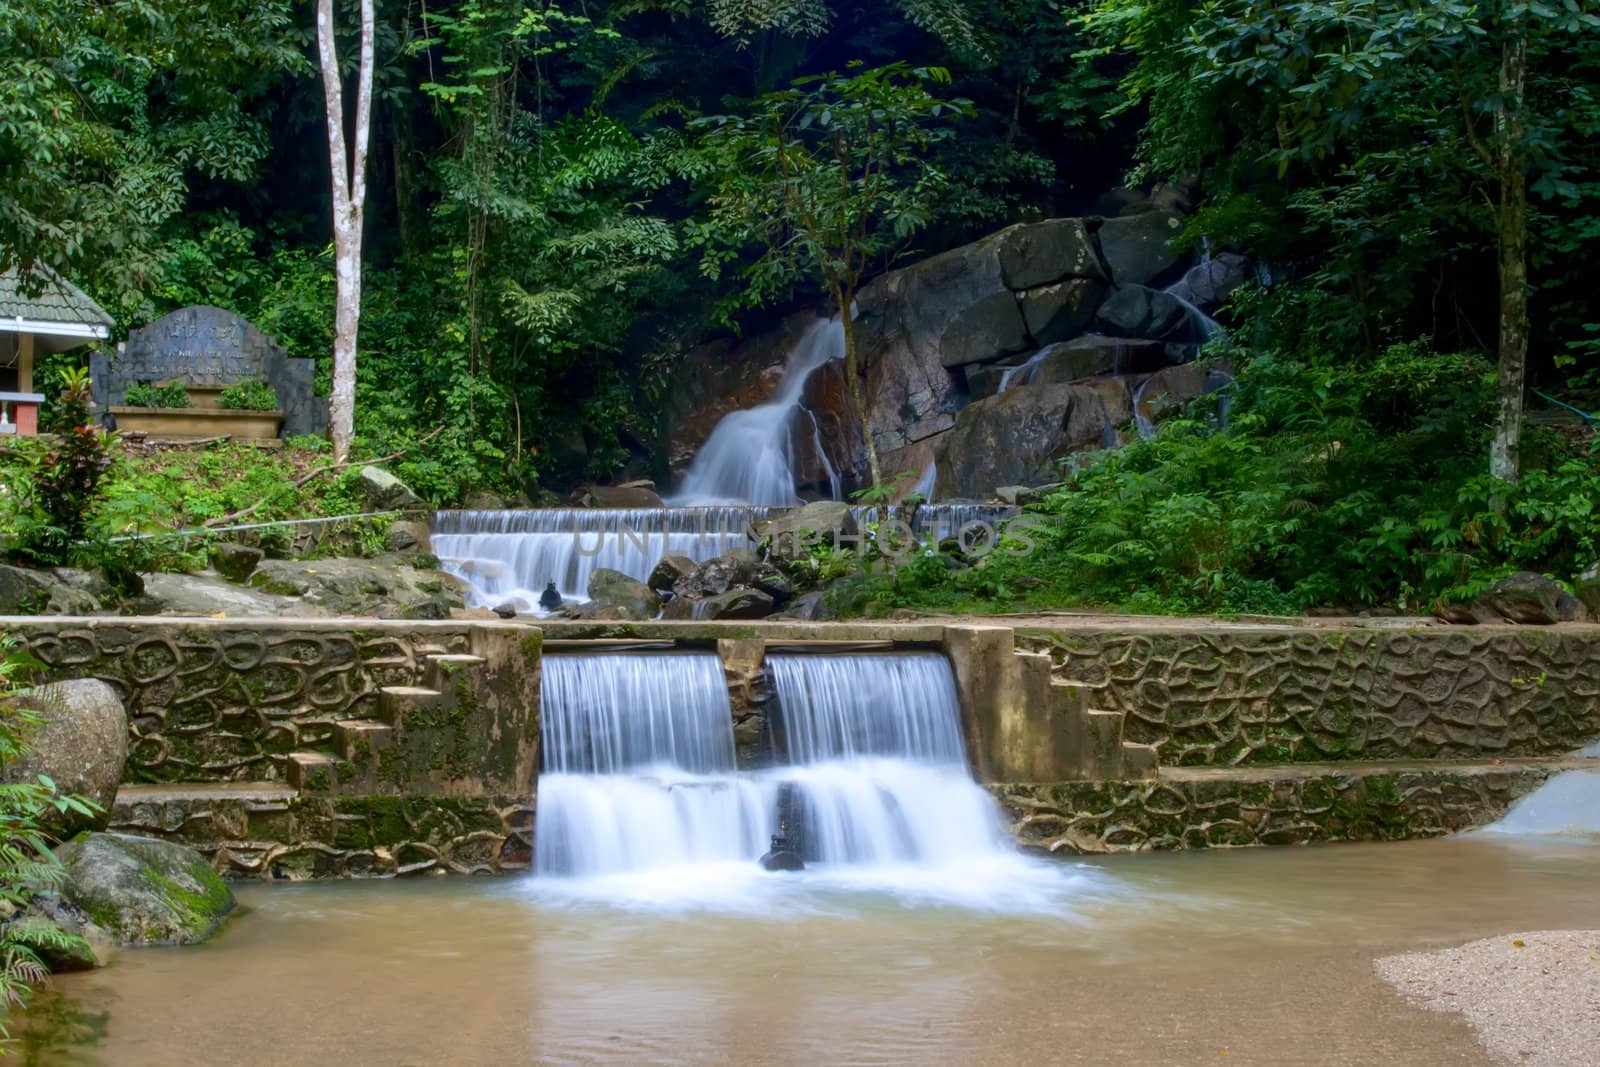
x: 212, y: 348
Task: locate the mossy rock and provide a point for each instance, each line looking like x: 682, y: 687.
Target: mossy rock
x: 143, y: 891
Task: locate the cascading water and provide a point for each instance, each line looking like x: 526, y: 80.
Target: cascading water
x: 638, y: 768
x: 640, y: 802
x: 1566, y: 805
x: 508, y: 556
x: 749, y: 457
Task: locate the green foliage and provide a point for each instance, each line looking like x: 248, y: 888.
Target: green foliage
x: 28, y: 868
x: 145, y: 395
x: 1351, y: 486
x: 249, y: 396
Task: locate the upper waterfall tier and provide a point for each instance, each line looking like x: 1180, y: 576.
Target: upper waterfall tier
x: 749, y: 457
x: 614, y: 713
x: 851, y: 706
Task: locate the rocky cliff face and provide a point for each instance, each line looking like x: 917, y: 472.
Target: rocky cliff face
x: 1103, y: 303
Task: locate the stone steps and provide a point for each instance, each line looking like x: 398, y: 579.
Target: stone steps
x: 383, y: 755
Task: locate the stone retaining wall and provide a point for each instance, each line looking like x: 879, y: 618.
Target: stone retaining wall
x: 1215, y: 695
x: 214, y: 700
x: 1266, y: 806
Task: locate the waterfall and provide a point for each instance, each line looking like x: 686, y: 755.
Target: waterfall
x: 508, y: 556
x: 925, y: 484
x: 639, y: 799
x: 1565, y: 805
x: 749, y: 457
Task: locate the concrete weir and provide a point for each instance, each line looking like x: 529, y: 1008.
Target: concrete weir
x: 346, y: 748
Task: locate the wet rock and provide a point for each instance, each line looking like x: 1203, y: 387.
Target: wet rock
x: 1034, y: 254
x: 507, y: 610
x: 235, y: 562
x: 1062, y: 310
x: 633, y: 597
x: 1135, y: 247
x: 735, y: 604
x: 1142, y: 312
x: 669, y: 572
x: 773, y: 582
x: 381, y: 491
x: 1208, y: 284
x: 484, y: 500
x: 807, y: 607
x: 143, y: 891
x: 717, y: 576
x: 1015, y: 438
x: 1092, y: 355
x: 80, y: 743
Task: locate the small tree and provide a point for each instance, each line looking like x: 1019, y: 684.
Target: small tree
x: 828, y: 179
x: 349, y: 172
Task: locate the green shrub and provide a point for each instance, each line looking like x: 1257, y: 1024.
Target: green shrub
x: 249, y: 396
x: 54, y: 490
x: 145, y: 395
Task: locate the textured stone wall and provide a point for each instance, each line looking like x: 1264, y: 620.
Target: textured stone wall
x: 276, y: 834
x: 227, y: 700
x: 1266, y: 807
x: 1218, y: 695
x: 208, y: 346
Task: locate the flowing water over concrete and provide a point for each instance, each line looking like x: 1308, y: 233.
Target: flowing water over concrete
x: 1234, y: 956
x: 874, y: 786
x: 508, y: 556
x: 749, y: 457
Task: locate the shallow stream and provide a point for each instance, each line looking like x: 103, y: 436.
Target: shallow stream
x: 1249, y: 956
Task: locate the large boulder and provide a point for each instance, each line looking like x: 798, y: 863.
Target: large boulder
x: 1136, y: 247
x: 381, y: 491
x: 204, y: 596
x: 735, y: 604
x: 1033, y: 254
x: 235, y: 562
x: 1089, y: 356
x: 1167, y: 391
x: 609, y: 587
x: 1208, y: 284
x: 1139, y: 311
x: 1531, y: 600
x: 716, y: 576
x: 631, y: 495
x: 1015, y: 438
x: 144, y: 891
x: 80, y: 743
x: 1061, y: 310
x: 669, y: 571
x: 33, y: 592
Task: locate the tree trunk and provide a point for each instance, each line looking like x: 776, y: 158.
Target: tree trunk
x: 1512, y: 234
x: 855, y: 384
x: 348, y: 170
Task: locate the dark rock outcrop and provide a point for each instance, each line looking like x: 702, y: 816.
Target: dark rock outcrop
x: 1016, y: 437
x: 735, y: 604
x: 1060, y: 310
x: 1034, y: 254
x: 716, y: 576
x: 1138, y: 311
x: 1135, y: 247
x: 143, y: 891
x: 669, y: 572
x: 381, y: 491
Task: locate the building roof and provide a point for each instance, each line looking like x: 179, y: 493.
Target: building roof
x: 58, y: 303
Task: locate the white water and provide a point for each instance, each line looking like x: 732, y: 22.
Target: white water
x: 508, y: 556
x: 749, y: 457
x: 1566, y: 805
x: 878, y: 785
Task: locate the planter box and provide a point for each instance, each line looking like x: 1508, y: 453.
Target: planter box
x: 180, y: 423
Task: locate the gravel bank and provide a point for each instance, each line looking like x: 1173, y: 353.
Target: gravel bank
x: 1532, y: 998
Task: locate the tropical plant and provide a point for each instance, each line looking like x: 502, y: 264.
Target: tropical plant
x: 251, y: 395
x: 147, y: 395
x: 55, y: 493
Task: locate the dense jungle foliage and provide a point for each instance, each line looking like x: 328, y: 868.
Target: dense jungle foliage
x: 563, y: 198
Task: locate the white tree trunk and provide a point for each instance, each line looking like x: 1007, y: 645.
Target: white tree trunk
x: 349, y: 173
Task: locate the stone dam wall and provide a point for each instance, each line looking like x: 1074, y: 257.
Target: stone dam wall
x: 328, y: 748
